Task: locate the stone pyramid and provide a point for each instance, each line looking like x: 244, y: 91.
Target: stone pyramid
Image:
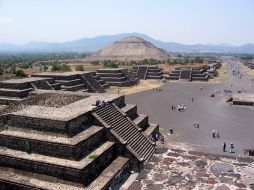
x: 130, y: 48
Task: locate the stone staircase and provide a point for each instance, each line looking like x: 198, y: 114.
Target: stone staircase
x: 126, y: 129
x: 92, y: 84
x: 185, y: 74
x: 141, y: 72
x: 141, y: 120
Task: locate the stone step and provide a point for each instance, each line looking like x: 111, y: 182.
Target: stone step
x: 9, y: 100
x: 114, y: 79
x: 111, y: 83
x: 52, y: 145
x: 130, y: 110
x: 110, y: 176
x: 69, y: 82
x: 15, y: 93
x: 154, y: 77
x: 141, y: 121
x: 110, y: 75
x: 73, y: 88
x: 150, y: 129
x: 76, y: 171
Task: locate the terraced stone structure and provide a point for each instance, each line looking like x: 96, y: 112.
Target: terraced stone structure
x: 116, y: 77
x: 14, y: 90
x: 147, y: 72
x: 76, y: 81
x: 75, y: 145
x: 189, y: 74
x: 248, y: 63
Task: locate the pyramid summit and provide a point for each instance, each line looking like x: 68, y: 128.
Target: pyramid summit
x: 130, y: 48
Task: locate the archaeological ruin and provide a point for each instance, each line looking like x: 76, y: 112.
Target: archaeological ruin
x: 147, y: 72
x: 117, y: 77
x: 203, y: 73
x: 72, y: 140
x: 188, y: 74
x: 130, y: 48
x: 16, y: 89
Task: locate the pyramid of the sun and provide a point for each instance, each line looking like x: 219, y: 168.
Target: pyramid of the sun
x: 130, y: 48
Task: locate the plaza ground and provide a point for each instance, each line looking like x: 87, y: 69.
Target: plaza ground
x: 233, y: 122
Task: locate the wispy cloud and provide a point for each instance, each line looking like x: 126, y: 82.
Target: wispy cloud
x: 5, y: 20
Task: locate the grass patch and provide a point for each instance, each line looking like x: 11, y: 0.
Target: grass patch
x: 93, y: 157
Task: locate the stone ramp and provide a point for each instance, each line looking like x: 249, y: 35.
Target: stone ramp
x: 137, y: 142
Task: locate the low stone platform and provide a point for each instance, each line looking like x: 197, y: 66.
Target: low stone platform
x: 242, y: 99
x: 189, y: 74
x: 76, y: 81
x: 116, y: 77
x: 147, y: 72
x: 14, y: 90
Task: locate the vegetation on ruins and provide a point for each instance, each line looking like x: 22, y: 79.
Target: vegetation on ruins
x: 21, y: 73
x: 60, y: 67
x: 110, y: 63
x: 93, y: 157
x: 79, y: 68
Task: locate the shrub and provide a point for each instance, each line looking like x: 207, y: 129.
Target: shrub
x: 65, y: 68
x: 21, y: 73
x: 56, y: 67
x: 79, y: 68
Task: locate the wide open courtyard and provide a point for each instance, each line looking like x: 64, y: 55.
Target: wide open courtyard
x: 235, y: 123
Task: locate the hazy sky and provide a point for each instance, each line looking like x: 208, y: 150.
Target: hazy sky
x: 185, y: 21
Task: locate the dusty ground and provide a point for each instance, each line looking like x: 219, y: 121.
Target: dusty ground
x: 142, y: 86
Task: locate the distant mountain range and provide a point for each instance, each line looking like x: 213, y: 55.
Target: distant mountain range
x: 99, y: 42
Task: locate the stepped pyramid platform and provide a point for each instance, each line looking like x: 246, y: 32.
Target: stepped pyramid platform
x: 54, y: 144
x: 129, y: 48
x: 14, y: 90
x: 189, y: 74
x: 116, y: 77
x: 76, y: 81
x: 147, y: 72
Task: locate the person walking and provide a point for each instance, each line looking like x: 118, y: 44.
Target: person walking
x: 224, y: 147
x: 217, y: 134
x: 231, y: 148
x: 171, y: 132
x: 214, y: 133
